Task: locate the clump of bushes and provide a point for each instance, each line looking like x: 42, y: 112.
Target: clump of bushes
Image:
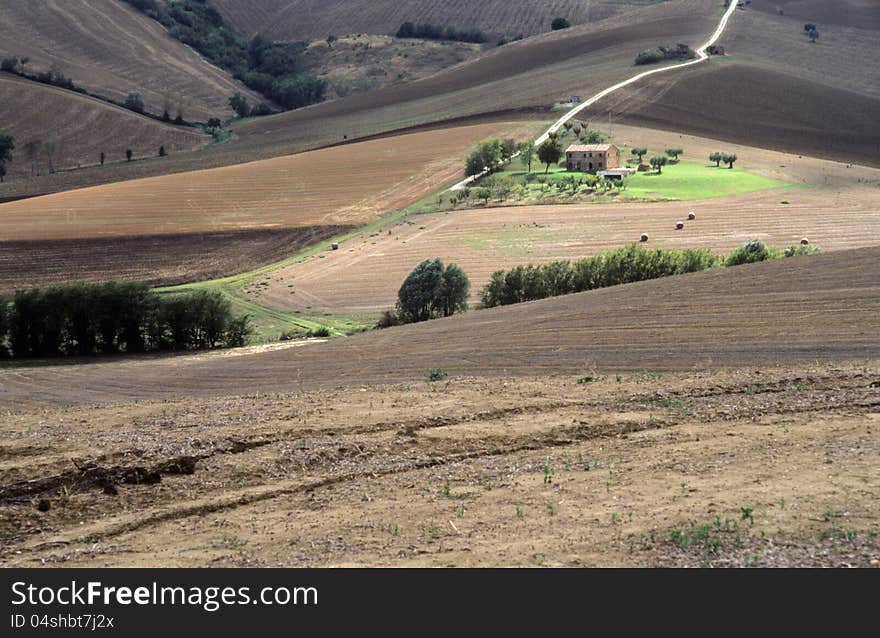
x: 660, y: 54
x: 85, y: 319
x: 751, y: 252
x: 435, y: 32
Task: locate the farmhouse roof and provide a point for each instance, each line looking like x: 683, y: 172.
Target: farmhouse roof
x: 585, y: 148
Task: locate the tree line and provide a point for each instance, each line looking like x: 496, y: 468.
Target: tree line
x: 427, y: 31
x: 619, y: 266
x: 660, y: 54
x: 86, y: 319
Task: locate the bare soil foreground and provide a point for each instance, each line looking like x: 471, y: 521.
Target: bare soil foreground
x: 786, y: 312
x: 760, y: 467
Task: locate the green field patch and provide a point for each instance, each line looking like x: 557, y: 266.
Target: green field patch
x: 690, y: 180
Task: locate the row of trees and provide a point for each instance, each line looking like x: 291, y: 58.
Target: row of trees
x: 619, y: 266
x: 727, y: 158
x: 85, y: 319
x: 435, y: 32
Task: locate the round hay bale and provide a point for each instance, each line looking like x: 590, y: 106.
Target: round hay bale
x: 334, y: 246
x: 805, y: 242
x: 644, y: 237
x: 692, y: 216
x: 679, y: 225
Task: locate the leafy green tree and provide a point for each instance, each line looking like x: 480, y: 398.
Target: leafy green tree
x: 716, y: 157
x: 239, y: 104
x: 453, y: 294
x: 7, y: 145
x: 488, y: 156
x: 508, y: 149
x: 135, y: 102
x: 419, y: 292
x: 485, y: 194
x: 550, y: 152
x: 527, y: 153
x: 128, y: 154
x: 162, y: 151
x: 729, y: 159
x: 639, y: 152
x: 674, y: 153
x: 658, y: 162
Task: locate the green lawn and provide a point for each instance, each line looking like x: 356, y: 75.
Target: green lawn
x: 696, y: 180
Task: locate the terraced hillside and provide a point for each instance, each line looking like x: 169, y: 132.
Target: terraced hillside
x: 111, y: 49
x: 55, y: 128
x: 310, y: 19
x: 783, y: 313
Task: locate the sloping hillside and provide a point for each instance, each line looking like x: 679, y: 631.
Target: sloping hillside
x: 110, y: 49
x: 59, y: 129
x: 807, y: 309
x: 309, y: 19
x: 775, y: 88
x: 524, y: 76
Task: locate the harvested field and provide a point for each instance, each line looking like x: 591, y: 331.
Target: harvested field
x: 153, y: 259
x: 835, y: 206
x: 111, y: 49
x: 342, y: 185
x: 309, y: 19
x: 760, y: 467
x: 63, y: 129
x: 780, y: 313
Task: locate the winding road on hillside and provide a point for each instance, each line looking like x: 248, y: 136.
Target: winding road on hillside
x: 702, y: 56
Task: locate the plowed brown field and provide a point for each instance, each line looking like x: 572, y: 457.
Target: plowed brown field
x: 78, y: 129
x: 153, y: 259
x: 342, y: 185
x: 833, y: 205
x: 111, y: 49
x: 786, y: 312
x: 310, y: 19
x: 544, y: 472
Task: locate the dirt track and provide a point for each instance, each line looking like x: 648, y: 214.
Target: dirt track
x: 788, y: 312
x: 760, y: 467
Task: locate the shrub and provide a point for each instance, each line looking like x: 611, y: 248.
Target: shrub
x: 437, y: 375
x: 751, y: 252
x: 318, y: 333
x: 559, y: 24
x: 387, y: 320
x: 135, y: 102
x: 801, y: 249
